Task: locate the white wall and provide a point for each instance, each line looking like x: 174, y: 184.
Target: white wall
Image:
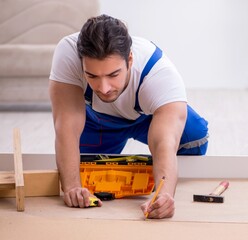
x: 206, y: 39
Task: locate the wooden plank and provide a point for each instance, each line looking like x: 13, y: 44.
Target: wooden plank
x: 20, y: 196
x: 7, y: 180
x: 19, y: 180
x: 37, y: 183
x: 42, y: 183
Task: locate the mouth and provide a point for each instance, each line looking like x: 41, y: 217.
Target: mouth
x: 108, y: 97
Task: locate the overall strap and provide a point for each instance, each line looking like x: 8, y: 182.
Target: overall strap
x: 88, y: 95
x: 151, y: 62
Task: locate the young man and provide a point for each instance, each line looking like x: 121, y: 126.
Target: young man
x: 107, y: 87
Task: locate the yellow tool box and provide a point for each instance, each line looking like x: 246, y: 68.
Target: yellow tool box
x: 117, y: 176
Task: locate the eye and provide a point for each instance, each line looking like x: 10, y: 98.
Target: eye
x: 90, y: 76
x: 114, y: 75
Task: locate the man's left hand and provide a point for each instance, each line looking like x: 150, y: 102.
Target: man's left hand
x: 163, y: 207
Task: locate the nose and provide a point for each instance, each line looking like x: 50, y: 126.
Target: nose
x: 104, y: 87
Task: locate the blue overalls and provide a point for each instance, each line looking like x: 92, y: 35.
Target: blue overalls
x: 109, y: 134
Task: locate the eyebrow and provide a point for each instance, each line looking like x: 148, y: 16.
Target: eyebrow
x: 112, y: 73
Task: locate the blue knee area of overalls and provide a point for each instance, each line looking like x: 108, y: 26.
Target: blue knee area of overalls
x: 201, y: 150
x: 196, y: 130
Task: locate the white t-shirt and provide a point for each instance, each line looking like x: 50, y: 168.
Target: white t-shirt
x: 162, y: 85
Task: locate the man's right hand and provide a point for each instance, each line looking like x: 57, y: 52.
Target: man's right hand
x: 79, y: 197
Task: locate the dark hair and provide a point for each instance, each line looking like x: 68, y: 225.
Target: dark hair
x: 102, y: 36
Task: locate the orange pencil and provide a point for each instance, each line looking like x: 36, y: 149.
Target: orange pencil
x: 161, y: 183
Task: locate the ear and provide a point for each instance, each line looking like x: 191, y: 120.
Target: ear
x: 130, y: 60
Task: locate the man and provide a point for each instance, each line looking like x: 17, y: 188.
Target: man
x: 107, y: 87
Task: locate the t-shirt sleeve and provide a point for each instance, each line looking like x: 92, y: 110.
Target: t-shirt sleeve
x: 162, y: 85
x: 66, y: 65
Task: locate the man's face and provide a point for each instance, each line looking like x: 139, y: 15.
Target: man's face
x: 109, y: 77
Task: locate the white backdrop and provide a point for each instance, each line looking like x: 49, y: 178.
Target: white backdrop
x: 206, y: 39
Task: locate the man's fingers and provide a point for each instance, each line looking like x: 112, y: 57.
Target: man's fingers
x: 99, y: 203
x: 162, y: 211
x: 163, y: 207
x: 79, y: 197
x: 86, y: 194
x: 75, y: 198
x: 67, y: 200
x: 144, y: 207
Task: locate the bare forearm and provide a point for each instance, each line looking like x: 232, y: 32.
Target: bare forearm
x: 67, y: 158
x: 68, y: 131
x: 163, y: 139
x: 165, y: 164
x: 68, y: 105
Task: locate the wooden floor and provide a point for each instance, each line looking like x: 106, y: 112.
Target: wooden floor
x: 49, y: 218
x: 41, y: 228
x: 225, y: 110
x: 233, y: 210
